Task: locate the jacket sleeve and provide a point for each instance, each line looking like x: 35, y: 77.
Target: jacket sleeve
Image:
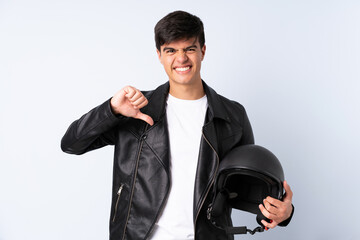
x: 287, y: 221
x: 93, y: 130
x: 248, y: 136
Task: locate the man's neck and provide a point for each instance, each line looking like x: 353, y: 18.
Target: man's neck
x: 187, y: 92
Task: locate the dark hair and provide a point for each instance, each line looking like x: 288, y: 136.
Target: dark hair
x: 179, y: 25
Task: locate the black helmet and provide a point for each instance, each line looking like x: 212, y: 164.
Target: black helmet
x: 246, y: 176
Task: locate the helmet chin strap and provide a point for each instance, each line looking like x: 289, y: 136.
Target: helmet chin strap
x: 214, y: 210
x: 233, y: 230
x: 243, y: 230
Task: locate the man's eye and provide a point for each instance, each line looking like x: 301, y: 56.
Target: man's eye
x: 190, y: 50
x: 170, y: 50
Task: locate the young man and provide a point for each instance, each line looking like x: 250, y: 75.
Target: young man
x: 168, y: 144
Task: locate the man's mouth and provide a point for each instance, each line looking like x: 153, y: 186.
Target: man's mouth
x: 182, y: 69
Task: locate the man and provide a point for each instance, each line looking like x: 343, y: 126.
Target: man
x: 168, y: 144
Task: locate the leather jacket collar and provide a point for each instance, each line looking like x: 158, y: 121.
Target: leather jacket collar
x: 157, y: 102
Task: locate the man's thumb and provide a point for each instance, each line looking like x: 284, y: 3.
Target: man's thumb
x: 145, y: 118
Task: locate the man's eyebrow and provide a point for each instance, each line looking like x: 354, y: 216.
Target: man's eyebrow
x: 170, y: 48
x: 192, y: 46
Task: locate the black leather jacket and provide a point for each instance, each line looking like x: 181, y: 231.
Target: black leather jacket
x: 141, y: 176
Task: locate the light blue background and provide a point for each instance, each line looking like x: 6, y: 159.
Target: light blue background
x: 294, y: 65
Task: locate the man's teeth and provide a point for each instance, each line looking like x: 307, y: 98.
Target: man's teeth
x: 182, y: 69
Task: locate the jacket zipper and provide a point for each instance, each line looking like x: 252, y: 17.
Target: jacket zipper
x: 211, y: 183
x: 117, y: 200
x: 143, y: 137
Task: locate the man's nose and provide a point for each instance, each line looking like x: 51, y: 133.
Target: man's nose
x: 181, y: 56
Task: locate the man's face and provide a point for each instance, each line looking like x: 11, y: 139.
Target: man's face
x: 182, y: 61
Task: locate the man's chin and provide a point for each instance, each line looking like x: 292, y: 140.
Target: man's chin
x: 185, y: 81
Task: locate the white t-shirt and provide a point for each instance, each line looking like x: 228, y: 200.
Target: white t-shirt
x: 185, y: 121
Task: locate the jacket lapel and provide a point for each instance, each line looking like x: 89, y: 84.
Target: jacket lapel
x: 207, y: 167
x: 158, y: 134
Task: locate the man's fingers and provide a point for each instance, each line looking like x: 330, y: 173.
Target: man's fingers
x: 288, y: 192
x: 273, y: 201
x: 129, y: 91
x: 145, y: 118
x: 270, y: 207
x: 143, y: 104
x: 277, y: 210
x: 140, y: 103
x: 128, y: 102
x: 135, y: 95
x: 267, y: 225
x: 264, y: 211
x: 268, y: 215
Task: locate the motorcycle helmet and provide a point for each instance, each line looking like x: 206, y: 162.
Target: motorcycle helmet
x: 246, y: 176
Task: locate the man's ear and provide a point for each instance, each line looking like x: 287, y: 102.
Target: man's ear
x: 203, y: 50
x: 159, y: 55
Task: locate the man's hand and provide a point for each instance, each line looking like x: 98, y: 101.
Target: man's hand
x: 276, y: 210
x: 128, y: 102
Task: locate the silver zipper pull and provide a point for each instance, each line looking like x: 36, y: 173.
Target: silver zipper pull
x: 117, y: 200
x: 120, y: 189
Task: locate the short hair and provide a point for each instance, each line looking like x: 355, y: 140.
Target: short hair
x: 179, y: 25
